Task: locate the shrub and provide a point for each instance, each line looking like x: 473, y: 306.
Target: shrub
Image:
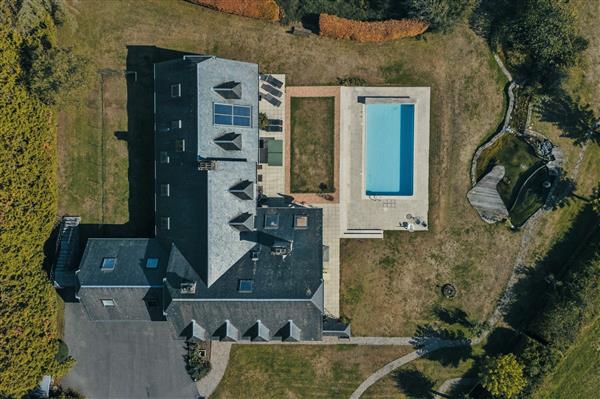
x: 263, y: 121
x: 441, y: 15
x: 197, y: 366
x: 378, y: 31
x: 351, y: 81
x: 260, y: 9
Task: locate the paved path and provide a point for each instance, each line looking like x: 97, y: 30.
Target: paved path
x: 450, y: 384
x: 401, y: 361
x: 219, y: 357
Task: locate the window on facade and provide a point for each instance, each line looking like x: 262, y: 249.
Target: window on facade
x: 108, y: 263
x: 176, y: 90
x: 245, y: 286
x: 180, y: 145
x: 108, y: 303
x: 176, y: 124
x: 165, y: 223
x: 151, y: 263
x: 164, y: 157
x: 232, y: 115
x: 165, y: 190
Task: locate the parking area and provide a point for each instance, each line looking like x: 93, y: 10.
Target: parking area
x: 125, y: 359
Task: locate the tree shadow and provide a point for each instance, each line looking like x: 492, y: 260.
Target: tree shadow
x: 501, y: 340
x: 413, y: 383
x: 576, y: 120
x: 453, y: 316
x: 538, y: 283
x: 428, y: 334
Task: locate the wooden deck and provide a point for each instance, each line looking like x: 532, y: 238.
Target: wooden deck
x: 485, y: 199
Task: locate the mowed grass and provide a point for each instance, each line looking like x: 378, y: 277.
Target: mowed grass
x: 419, y: 378
x: 312, y: 144
x: 578, y: 374
x: 308, y: 371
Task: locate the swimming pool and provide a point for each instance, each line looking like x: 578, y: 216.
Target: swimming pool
x: 389, y: 149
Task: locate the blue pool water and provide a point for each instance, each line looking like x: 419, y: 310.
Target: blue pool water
x: 389, y: 149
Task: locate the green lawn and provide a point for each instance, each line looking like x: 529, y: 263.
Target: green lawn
x: 309, y: 371
x: 312, y: 144
x: 578, y: 374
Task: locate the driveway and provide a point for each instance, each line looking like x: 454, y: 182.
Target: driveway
x: 125, y: 359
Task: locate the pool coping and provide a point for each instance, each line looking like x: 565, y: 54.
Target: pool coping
x: 313, y: 91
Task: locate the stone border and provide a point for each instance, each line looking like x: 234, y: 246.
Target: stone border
x: 507, y: 116
x: 313, y: 91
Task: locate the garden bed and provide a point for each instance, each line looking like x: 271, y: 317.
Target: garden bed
x: 312, y: 145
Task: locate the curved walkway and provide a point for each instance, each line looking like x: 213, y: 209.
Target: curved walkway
x: 401, y: 361
x: 219, y: 358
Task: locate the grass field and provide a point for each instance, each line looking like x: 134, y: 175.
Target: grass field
x: 309, y: 371
x: 578, y: 374
x: 312, y: 145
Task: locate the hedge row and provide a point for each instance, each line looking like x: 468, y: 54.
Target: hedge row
x: 28, y: 326
x: 260, y: 9
x: 377, y: 31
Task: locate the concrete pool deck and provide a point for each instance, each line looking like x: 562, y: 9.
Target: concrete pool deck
x: 362, y: 214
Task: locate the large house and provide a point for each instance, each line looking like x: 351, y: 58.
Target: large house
x: 226, y: 262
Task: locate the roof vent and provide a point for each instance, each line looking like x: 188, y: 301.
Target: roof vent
x: 207, y: 164
x: 281, y: 248
x: 230, y: 141
x: 229, y: 90
x: 187, y: 288
x: 243, y: 222
x: 243, y: 190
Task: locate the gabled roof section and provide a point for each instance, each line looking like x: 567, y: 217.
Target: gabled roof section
x: 230, y: 141
x: 290, y: 332
x: 244, y: 190
x: 258, y: 332
x: 229, y: 90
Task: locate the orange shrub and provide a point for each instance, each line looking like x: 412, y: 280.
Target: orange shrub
x: 261, y: 9
x: 361, y: 31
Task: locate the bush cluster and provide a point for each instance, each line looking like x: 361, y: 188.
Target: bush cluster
x: 377, y: 31
x: 28, y: 201
x: 260, y: 9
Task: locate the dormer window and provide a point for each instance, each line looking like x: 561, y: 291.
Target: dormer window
x: 176, y: 124
x: 165, y: 190
x: 108, y: 264
x: 165, y: 223
x: 229, y: 90
x: 164, y: 157
x: 108, y: 303
x: 176, y: 90
x: 179, y: 145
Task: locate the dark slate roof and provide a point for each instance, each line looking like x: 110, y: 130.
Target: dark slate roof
x: 201, y: 206
x: 275, y: 316
x: 130, y: 269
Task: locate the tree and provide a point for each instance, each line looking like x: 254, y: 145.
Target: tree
x: 502, y: 376
x: 540, y: 38
x: 442, y: 15
x: 595, y: 200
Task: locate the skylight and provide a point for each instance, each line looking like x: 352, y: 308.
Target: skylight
x: 109, y: 264
x: 232, y: 115
x: 245, y: 286
x: 272, y: 221
x: 108, y: 303
x: 152, y: 263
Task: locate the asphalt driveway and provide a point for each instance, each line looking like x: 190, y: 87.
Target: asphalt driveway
x: 128, y: 359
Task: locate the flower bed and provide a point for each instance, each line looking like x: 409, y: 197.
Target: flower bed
x: 361, y: 31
